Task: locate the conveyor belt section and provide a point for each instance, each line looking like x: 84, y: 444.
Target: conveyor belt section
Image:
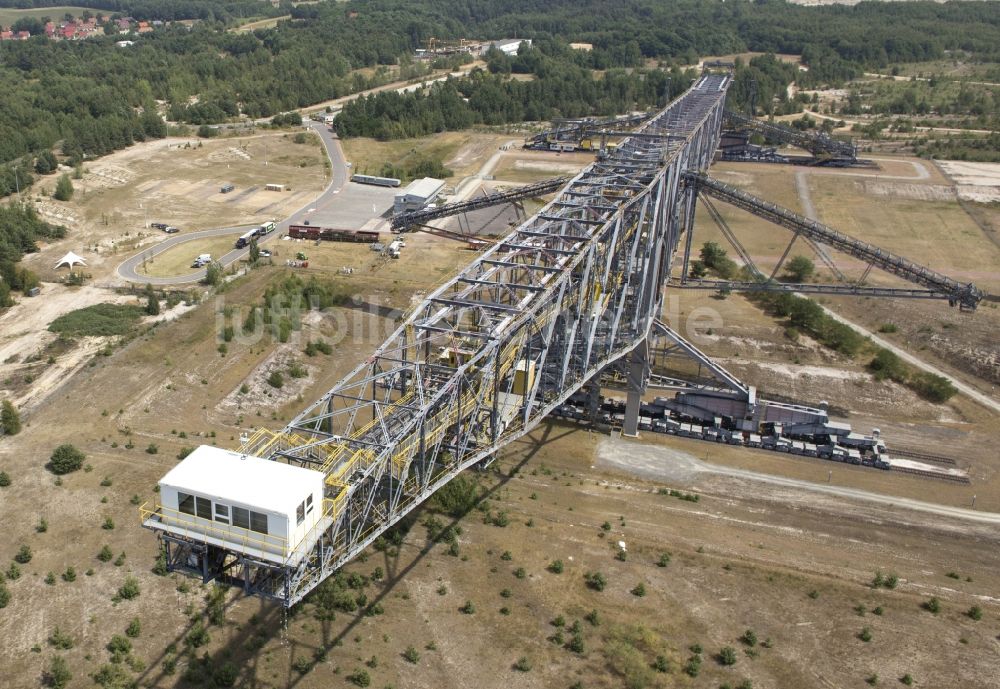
x: 405, y: 221
x: 936, y: 285
x: 819, y: 145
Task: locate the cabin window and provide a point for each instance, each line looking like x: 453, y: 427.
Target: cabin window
x: 300, y: 513
x: 185, y: 503
x: 258, y: 522
x: 204, y: 507
x: 241, y: 517
x: 309, y: 505
x: 222, y: 513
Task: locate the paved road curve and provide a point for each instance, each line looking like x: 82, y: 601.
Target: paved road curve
x: 128, y: 269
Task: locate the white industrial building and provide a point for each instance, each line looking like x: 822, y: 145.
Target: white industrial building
x: 243, y: 503
x: 509, y: 46
x: 419, y: 193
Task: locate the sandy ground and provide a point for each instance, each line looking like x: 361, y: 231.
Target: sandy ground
x: 978, y: 182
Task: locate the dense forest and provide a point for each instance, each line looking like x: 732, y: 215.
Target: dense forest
x: 489, y: 97
x: 87, y: 98
x: 20, y: 228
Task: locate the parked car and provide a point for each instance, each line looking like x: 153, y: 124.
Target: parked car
x: 264, y: 253
x: 159, y: 225
x: 170, y: 229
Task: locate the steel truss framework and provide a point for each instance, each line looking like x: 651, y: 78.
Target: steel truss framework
x: 486, y: 356
x: 405, y: 221
x: 819, y: 145
x: 933, y: 285
x: 572, y: 291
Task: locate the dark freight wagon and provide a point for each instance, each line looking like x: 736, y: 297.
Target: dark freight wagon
x: 329, y: 234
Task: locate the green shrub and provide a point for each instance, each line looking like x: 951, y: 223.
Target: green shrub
x: 225, y: 675
x: 105, y: 554
x: 60, y: 640
x: 130, y: 589
x: 932, y: 605
x: 523, y: 664
x: 58, y: 674
x: 276, y: 380
x: 4, y: 479
x: 468, y: 608
x: 66, y: 459
x: 639, y: 590
x: 23, y: 555
x: 556, y: 567
x: 749, y: 638
x: 865, y: 635
x: 119, y: 647
x: 360, y: 678
x: 457, y: 497
x: 134, y: 628
x: 10, y: 419
x: 411, y: 655
x: 727, y: 656
x: 595, y: 580
x: 98, y: 320
x: 931, y: 387
x: 198, y: 636
x: 69, y: 575
x: 887, y: 365
x: 152, y: 449
x: 975, y: 613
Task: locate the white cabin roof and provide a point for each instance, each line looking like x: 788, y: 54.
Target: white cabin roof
x: 230, y: 476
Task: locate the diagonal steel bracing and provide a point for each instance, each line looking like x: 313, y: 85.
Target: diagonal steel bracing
x: 486, y: 356
x: 934, y: 285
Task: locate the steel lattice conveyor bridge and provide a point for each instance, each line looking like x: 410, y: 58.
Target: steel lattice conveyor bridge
x: 486, y: 356
x: 572, y: 291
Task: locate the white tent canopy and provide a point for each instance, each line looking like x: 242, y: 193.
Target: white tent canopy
x: 70, y: 260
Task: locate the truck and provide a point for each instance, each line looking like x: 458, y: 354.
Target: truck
x: 393, y: 249
x: 202, y: 261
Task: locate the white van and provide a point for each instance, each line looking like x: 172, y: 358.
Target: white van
x: 202, y: 260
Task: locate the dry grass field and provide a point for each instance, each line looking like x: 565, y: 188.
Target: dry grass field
x: 177, y: 181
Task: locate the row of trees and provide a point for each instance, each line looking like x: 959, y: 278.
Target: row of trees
x: 558, y: 90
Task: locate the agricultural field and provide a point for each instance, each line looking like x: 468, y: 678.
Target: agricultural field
x: 8, y: 15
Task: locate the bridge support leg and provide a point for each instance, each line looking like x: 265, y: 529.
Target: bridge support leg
x: 638, y: 374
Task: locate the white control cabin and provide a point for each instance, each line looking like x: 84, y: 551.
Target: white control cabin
x: 246, y: 504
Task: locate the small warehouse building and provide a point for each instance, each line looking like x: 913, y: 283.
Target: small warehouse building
x: 242, y: 503
x: 418, y: 194
x: 274, y: 187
